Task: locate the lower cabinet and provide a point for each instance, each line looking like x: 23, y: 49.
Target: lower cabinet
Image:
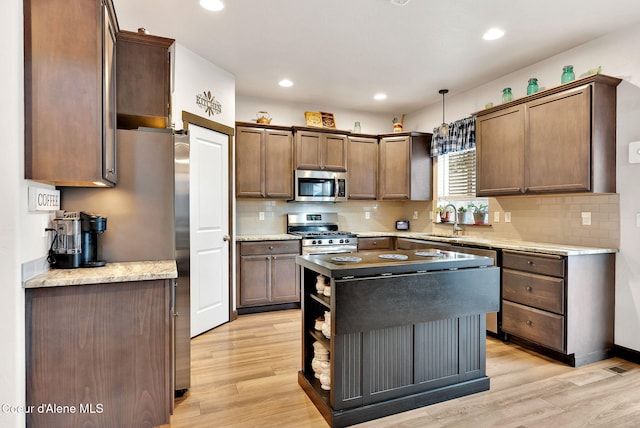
x: 379, y: 243
x: 267, y: 273
x: 98, y: 355
x: 561, y: 304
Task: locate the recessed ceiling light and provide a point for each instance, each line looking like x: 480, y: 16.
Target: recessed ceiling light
x: 399, y: 2
x: 285, y: 83
x: 493, y: 34
x: 212, y: 5
x: 380, y: 97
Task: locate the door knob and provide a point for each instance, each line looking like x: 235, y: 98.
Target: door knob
x: 226, y: 238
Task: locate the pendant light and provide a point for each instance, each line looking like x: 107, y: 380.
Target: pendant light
x: 444, y: 128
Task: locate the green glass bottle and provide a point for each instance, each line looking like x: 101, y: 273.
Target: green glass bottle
x: 567, y: 74
x: 532, y: 87
x: 506, y: 95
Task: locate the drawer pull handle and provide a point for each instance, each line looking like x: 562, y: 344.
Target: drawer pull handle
x: 529, y: 323
x: 529, y: 262
x: 529, y: 289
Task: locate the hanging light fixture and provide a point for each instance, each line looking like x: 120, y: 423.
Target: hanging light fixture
x: 444, y: 128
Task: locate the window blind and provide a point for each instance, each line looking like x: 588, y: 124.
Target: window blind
x: 457, y: 174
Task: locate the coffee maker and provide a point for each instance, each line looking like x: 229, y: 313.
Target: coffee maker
x: 75, y: 240
x: 92, y: 226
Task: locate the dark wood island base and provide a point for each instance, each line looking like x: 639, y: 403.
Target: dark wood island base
x: 403, y: 334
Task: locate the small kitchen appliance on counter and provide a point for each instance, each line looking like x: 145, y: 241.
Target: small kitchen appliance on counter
x: 92, y: 226
x: 75, y: 240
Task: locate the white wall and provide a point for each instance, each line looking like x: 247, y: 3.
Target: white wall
x: 193, y: 75
x: 616, y: 54
x: 292, y: 114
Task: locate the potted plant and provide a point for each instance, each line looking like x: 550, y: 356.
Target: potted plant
x: 480, y: 213
x: 462, y: 213
x: 445, y: 215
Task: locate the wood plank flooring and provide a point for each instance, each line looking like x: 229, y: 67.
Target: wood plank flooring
x: 244, y: 375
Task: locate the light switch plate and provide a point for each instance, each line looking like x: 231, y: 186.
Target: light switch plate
x: 586, y: 218
x: 496, y: 217
x: 261, y: 215
x: 634, y: 152
x: 507, y: 216
x: 638, y: 220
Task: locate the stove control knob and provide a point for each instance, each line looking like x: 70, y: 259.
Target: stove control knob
x: 342, y: 241
x: 330, y: 241
x: 314, y: 242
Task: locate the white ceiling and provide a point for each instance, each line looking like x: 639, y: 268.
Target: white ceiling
x: 341, y: 52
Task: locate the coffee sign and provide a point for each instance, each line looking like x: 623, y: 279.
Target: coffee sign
x: 43, y: 199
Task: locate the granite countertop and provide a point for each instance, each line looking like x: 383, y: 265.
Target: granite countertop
x: 267, y: 237
x: 503, y: 244
x: 110, y: 273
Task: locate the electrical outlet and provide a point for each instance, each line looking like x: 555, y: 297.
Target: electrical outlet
x: 586, y: 218
x: 496, y: 217
x: 415, y: 215
x: 45, y: 225
x: 507, y: 216
x: 638, y: 220
x: 367, y: 215
x: 261, y: 215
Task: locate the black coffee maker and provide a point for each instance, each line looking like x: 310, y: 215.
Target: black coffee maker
x: 92, y: 226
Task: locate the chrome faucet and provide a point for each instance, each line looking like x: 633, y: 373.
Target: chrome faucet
x: 456, y: 227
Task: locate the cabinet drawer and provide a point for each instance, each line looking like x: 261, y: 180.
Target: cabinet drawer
x: 383, y: 243
x: 270, y: 247
x: 538, y: 326
x: 535, y: 263
x: 542, y: 292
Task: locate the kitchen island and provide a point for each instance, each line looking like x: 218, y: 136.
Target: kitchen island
x: 407, y: 329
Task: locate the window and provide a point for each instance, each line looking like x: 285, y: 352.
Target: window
x: 457, y: 174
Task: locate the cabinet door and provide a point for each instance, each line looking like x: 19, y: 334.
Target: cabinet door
x: 278, y: 164
x: 334, y: 155
x: 109, y: 145
x: 395, y: 168
x: 249, y: 165
x: 65, y: 105
x: 144, y: 75
x: 308, y: 150
x: 558, y: 142
x: 254, y: 280
x: 285, y: 279
x: 500, y: 152
x: 362, y: 160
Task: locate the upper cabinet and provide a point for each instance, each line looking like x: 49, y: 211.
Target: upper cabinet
x: 323, y: 150
x: 362, y: 170
x: 404, y: 167
x: 264, y: 162
x: 557, y: 141
x: 70, y: 92
x: 144, y: 80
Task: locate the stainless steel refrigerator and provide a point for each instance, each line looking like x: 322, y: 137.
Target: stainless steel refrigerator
x: 148, y: 218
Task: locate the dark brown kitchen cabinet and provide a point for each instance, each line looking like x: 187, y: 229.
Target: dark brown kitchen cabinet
x: 377, y: 243
x: 102, y: 348
x: 143, y: 80
x: 320, y: 150
x: 267, y: 273
x: 557, y: 141
x: 70, y: 92
x: 362, y: 167
x: 404, y: 167
x: 560, y: 305
x: 264, y: 162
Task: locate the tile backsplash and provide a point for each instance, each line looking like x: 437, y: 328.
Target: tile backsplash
x: 550, y: 219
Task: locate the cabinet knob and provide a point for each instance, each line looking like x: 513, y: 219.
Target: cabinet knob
x: 529, y: 323
x: 529, y: 262
x: 529, y: 289
x: 271, y: 247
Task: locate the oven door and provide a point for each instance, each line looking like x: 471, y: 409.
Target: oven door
x: 328, y: 249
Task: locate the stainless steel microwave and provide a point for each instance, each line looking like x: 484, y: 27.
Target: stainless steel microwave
x: 320, y: 186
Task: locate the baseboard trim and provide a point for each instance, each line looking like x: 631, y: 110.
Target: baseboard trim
x: 626, y: 354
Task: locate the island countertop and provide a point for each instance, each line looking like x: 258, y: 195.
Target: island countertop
x: 110, y: 273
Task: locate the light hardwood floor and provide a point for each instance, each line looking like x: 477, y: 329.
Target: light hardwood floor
x: 244, y: 374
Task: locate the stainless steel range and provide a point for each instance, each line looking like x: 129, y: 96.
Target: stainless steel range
x: 320, y: 234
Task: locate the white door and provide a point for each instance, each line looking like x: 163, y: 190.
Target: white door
x: 209, y: 228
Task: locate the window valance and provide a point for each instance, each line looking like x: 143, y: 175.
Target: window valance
x: 461, y: 136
